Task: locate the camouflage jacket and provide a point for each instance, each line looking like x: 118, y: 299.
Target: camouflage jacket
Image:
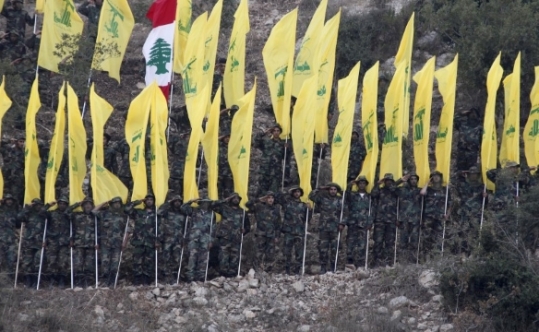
x: 8, y: 223
x: 232, y: 222
x: 330, y: 209
x: 409, y: 203
x: 12, y: 51
x: 268, y: 218
x: 91, y: 11
x: 171, y: 223
x: 123, y: 149
x: 83, y: 228
x: 357, y: 155
x: 145, y: 223
x: 224, y: 167
x: 34, y: 226
x: 358, y: 209
x: 471, y: 195
x: 470, y: 134
x: 506, y: 188
x: 295, y: 213
x: 386, y: 203
x: 13, y: 162
x: 435, y: 202
x: 177, y: 146
x: 59, y: 227
x: 200, y: 223
x: 17, y: 20
x: 112, y: 224
x: 272, y: 150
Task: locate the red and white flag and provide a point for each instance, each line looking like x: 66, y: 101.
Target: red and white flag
x: 158, y: 47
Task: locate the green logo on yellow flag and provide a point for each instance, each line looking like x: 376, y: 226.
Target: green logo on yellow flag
x: 337, y: 140
x: 188, y: 86
x: 418, y: 127
x: 281, y: 73
x: 112, y: 25
x: 441, y: 135
x: 242, y: 152
x: 510, y: 130
x: 535, y: 128
x: 65, y: 17
x: 160, y: 54
x: 368, y: 134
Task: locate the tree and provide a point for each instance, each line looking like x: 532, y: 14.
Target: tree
x: 160, y: 54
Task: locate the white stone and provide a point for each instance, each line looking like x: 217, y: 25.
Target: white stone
x: 447, y: 328
x: 249, y: 314
x: 100, y: 314
x: 396, y: 315
x: 298, y: 286
x: 243, y: 285
x: 215, y: 284
x: 133, y: 296
x: 362, y: 274
x: 428, y: 279
x: 398, y: 302
x: 412, y: 321
x: 422, y: 326
x: 200, y: 301
x: 253, y: 283
x: 156, y: 292
x: 382, y: 310
x: 119, y: 306
x: 201, y: 292
x: 252, y: 292
x: 251, y: 274
x: 304, y: 328
x: 141, y: 85
x: 23, y: 317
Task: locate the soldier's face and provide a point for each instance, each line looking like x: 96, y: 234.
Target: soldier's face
x: 17, y: 5
x: 116, y: 205
x: 9, y: 202
x: 226, y: 139
x: 177, y: 203
x: 513, y: 170
x: 362, y: 185
x: 276, y: 132
x: 99, y: 2
x: 436, y: 178
x: 13, y: 37
x: 473, y: 176
x: 149, y: 202
x: 355, y: 137
x: 105, y: 140
x: 413, y: 181
x: 332, y: 191
x: 296, y: 193
x: 20, y: 143
x: 270, y: 200
x: 235, y: 200
x: 87, y: 207
x: 388, y: 183
x: 220, y: 67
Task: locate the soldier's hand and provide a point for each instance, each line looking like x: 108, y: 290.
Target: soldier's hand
x: 71, y: 244
x: 210, y: 245
x: 485, y: 194
x: 52, y: 203
x: 157, y: 245
x: 96, y: 247
x: 341, y: 227
x: 405, y: 178
x: 44, y: 245
x: 276, y: 240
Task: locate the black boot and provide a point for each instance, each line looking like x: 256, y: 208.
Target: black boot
x: 287, y: 270
x: 137, y: 281
x: 28, y: 281
x: 61, y: 281
x: 323, y: 269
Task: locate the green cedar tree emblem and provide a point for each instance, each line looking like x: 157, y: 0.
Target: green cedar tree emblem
x: 160, y: 55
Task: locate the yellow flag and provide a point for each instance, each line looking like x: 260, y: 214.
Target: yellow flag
x: 159, y: 162
x: 510, y: 149
x: 105, y: 185
x: 56, y: 151
x: 488, y: 143
x: 32, y: 187
x: 239, y: 146
x: 211, y: 44
x: 340, y: 146
x: 303, y: 124
x: 62, y: 28
x: 5, y: 104
x: 210, y: 143
x: 369, y: 121
x: 192, y: 71
x: 183, y: 26
x: 391, y: 159
x: 234, y: 77
x: 190, y: 188
x: 40, y: 6
x: 278, y: 55
x: 325, y: 62
x: 77, y: 147
x: 422, y: 110
x: 304, y: 64
x: 135, y: 135
x: 447, y: 85
x: 531, y: 131
x: 116, y: 23
x: 404, y: 56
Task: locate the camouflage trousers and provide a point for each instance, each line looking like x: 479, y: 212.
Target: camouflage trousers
x: 84, y: 262
x: 8, y: 256
x: 169, y: 258
x: 468, y: 231
x: 229, y: 256
x: 409, y: 234
x: 265, y: 253
x: 110, y: 257
x: 327, y: 247
x: 293, y: 246
x: 269, y: 179
x: 144, y: 261
x: 30, y: 257
x: 384, y: 242
x: 58, y: 259
x: 198, y: 259
x: 356, y: 238
x: 431, y: 235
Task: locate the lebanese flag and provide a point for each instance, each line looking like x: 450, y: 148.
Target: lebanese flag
x: 158, y: 47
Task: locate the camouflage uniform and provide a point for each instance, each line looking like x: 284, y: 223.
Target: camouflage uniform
x: 330, y: 210
x: 316, y: 158
x: 91, y: 11
x: 226, y: 183
x: 471, y: 202
x: 199, y: 238
x: 8, y: 236
x: 124, y: 171
x: 410, y: 204
x: 12, y: 49
x: 58, y: 243
x: 228, y: 234
x: 84, y: 242
x: 433, y: 217
x: 171, y: 235
x: 17, y: 19
x: 357, y: 222
x: 177, y: 146
x: 385, y: 222
x: 357, y: 155
x: 470, y: 130
x: 143, y: 241
x: 505, y: 194
x: 293, y: 227
x: 271, y: 164
x: 268, y: 227
x: 13, y: 170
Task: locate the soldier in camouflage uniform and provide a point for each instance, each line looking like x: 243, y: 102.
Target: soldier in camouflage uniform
x: 199, y: 237
x: 177, y: 147
x: 112, y: 221
x: 124, y: 172
x: 171, y: 236
x: 268, y: 228
x: 92, y: 10
x: 144, y: 240
x: 471, y: 191
x: 226, y: 184
x: 84, y: 244
x: 410, y: 204
x: 434, y: 215
x: 293, y: 227
x: 358, y: 221
x: 13, y: 168
x: 33, y: 216
x: 468, y: 124
x: 385, y: 222
x: 317, y: 160
x: 271, y: 165
x: 330, y: 203
x: 234, y: 222
x: 12, y: 49
x: 17, y: 18
x: 357, y: 155
x: 9, y: 210
x: 58, y: 242
x: 506, y: 190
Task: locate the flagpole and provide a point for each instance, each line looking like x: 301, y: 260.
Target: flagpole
x: 200, y: 168
x: 482, y: 212
x: 419, y: 232
x: 42, y: 253
x: 183, y: 246
x: 18, y: 255
x: 284, y: 162
x: 367, y: 242
x: 339, y: 236
x: 396, y: 234
x: 208, y: 257
x: 517, y: 187
x: 241, y: 243
x: 305, y: 241
x: 156, y: 248
x: 319, y: 164
x: 445, y: 214
x: 170, y: 102
x: 121, y: 253
x: 87, y: 93
x: 71, y: 251
x: 96, y: 254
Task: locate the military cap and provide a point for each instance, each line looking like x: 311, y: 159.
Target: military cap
x: 63, y: 199
x: 413, y: 174
x: 474, y: 170
x: 19, y: 1
x: 87, y: 200
x: 8, y: 196
x: 149, y: 195
x: 511, y: 164
x: 234, y: 108
x: 237, y: 195
x: 37, y: 201
x: 116, y: 199
x: 270, y: 193
x: 278, y: 126
x: 362, y: 178
x: 433, y: 173
x: 21, y: 138
x: 176, y: 198
x: 388, y: 176
x: 335, y: 185
x: 294, y: 188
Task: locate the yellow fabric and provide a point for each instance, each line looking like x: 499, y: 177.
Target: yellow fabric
x: 391, y: 159
x: 239, y: 146
x: 340, y: 145
x: 105, y: 185
x: 210, y: 143
x: 278, y: 55
x: 325, y: 62
x: 422, y: 110
x: 183, y: 26
x: 303, y: 124
x: 447, y: 85
x: 77, y: 147
x: 369, y: 122
x: 40, y: 6
x: 234, y: 77
x: 116, y: 23
x: 158, y: 140
x: 404, y: 56
x: 60, y: 21
x: 192, y: 71
x: 32, y: 187
x: 489, y: 144
x: 56, y: 151
x: 510, y: 149
x: 211, y: 43
x: 304, y: 64
x: 5, y: 104
x: 135, y: 135
x: 531, y: 130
